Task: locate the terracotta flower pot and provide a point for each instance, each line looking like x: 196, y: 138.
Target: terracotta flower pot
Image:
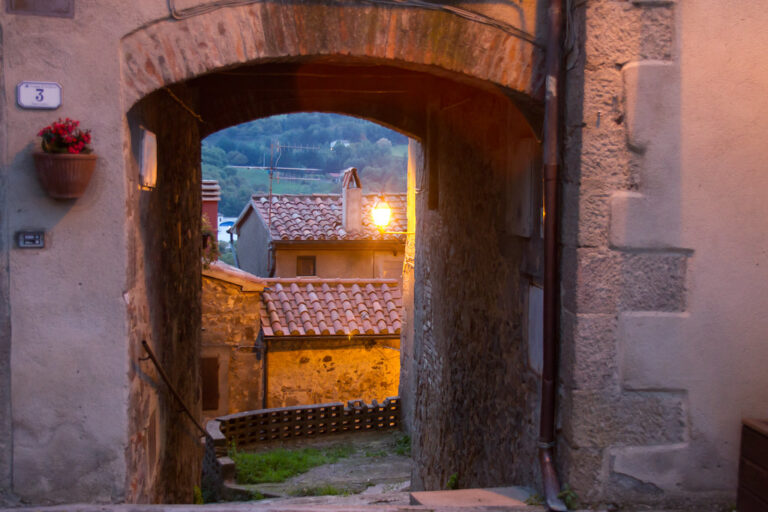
x: 64, y: 175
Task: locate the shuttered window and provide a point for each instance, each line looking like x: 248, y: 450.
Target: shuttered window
x: 305, y: 266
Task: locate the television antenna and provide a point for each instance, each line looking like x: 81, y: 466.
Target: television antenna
x: 302, y: 174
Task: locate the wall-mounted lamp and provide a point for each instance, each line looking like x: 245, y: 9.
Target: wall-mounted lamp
x: 382, y: 215
x: 148, y: 159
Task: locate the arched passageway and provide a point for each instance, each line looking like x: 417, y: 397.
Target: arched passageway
x: 469, y: 394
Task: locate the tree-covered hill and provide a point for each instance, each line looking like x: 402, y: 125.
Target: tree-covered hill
x: 378, y: 153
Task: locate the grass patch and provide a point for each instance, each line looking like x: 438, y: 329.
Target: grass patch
x: 281, y: 464
x: 375, y: 453
x: 403, y: 445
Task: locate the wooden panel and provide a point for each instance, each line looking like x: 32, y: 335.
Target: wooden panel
x: 209, y: 373
x: 305, y: 266
x: 754, y: 479
x: 754, y: 447
x: 748, y: 502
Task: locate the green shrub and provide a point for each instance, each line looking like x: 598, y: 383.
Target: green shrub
x: 403, y: 445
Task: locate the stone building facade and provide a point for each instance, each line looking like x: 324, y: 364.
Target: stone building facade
x: 231, y: 363
x: 662, y: 260
x: 281, y: 342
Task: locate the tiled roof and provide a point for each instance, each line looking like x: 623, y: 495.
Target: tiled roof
x: 318, y: 217
x: 317, y: 307
x: 224, y: 272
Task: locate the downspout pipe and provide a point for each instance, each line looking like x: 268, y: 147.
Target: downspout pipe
x: 550, y: 157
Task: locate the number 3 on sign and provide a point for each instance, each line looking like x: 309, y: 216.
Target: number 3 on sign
x: 46, y: 95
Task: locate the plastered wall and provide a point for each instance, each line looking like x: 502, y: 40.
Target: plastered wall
x: 344, y: 263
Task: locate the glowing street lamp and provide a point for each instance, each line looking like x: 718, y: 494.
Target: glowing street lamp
x: 382, y: 215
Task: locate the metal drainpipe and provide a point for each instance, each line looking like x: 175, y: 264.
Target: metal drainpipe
x: 272, y: 257
x: 550, y: 156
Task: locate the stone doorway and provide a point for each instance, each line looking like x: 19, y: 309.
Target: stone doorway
x: 469, y: 393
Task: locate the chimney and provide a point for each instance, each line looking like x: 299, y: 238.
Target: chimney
x: 211, y: 197
x: 351, y: 201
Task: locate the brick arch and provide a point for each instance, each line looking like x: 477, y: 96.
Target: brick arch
x: 172, y: 51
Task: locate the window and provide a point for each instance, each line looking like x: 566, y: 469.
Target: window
x: 305, y: 266
x: 209, y: 370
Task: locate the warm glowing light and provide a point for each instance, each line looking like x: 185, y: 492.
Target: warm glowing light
x: 382, y: 213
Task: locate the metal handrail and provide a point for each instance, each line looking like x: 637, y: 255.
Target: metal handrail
x: 175, y: 393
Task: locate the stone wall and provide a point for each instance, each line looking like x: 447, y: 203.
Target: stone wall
x: 320, y: 371
x: 603, y: 277
x: 469, y: 348
x: 658, y: 367
x: 164, y: 453
x: 231, y: 325
x: 408, y: 363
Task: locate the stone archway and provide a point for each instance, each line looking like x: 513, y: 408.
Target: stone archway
x: 459, y: 87
x: 171, y: 51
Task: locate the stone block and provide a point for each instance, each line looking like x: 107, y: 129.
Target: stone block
x: 650, y: 218
x: 584, y: 469
x: 653, y: 281
x: 604, y: 156
x: 651, y: 100
x: 640, y: 221
x: 586, y: 214
x: 625, y: 32
x: 602, y: 102
x: 597, y: 419
x: 659, y: 466
x: 654, y: 348
x: 588, y: 353
x: 591, y: 280
x: 605, y: 281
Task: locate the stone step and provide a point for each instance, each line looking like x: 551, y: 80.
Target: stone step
x: 511, y: 498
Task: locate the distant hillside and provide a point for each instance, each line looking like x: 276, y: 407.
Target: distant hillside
x: 378, y: 153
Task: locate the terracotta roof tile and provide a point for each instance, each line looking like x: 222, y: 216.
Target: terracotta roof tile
x: 307, y: 306
x: 318, y: 217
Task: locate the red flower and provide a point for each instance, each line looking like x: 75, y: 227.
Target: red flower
x: 65, y: 136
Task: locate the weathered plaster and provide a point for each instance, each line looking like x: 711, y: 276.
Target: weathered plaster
x: 68, y: 357
x: 343, y: 263
x: 6, y: 433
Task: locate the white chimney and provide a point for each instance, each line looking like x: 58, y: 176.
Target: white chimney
x: 351, y: 201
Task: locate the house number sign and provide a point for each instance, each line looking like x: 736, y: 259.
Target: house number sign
x: 45, y: 95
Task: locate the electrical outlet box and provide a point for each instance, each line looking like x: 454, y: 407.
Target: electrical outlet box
x: 30, y: 239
